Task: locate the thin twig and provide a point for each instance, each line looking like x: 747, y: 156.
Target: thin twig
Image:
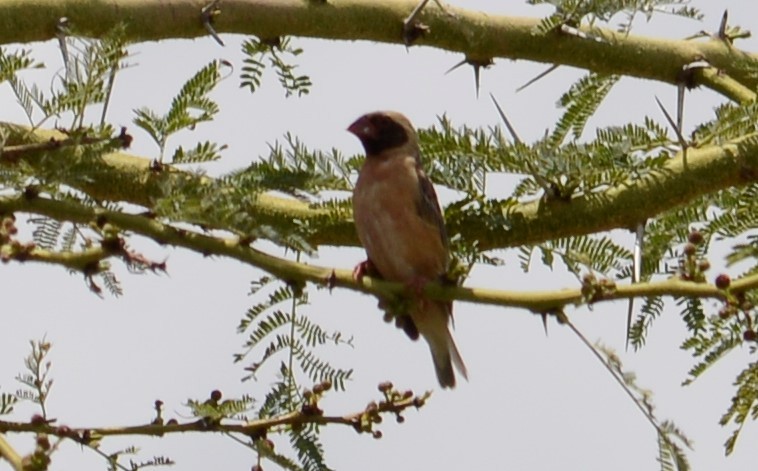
x: 616, y: 377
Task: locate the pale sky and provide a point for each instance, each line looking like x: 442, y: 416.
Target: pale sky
x: 532, y: 402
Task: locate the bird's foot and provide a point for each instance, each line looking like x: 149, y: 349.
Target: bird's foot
x: 365, y: 268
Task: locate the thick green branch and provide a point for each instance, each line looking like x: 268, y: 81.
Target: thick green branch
x: 478, y: 35
x: 122, y: 177
x: 127, y: 178
x: 707, y: 171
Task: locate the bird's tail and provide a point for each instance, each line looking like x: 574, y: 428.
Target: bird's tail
x: 434, y: 327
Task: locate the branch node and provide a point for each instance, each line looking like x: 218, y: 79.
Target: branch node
x: 207, y: 14
x: 412, y: 28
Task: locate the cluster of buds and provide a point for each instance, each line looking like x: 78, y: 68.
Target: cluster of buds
x: 265, y: 447
x: 692, y: 266
x: 594, y: 289
x: 212, y: 410
x: 311, y: 398
x: 45, y: 427
x: 39, y: 460
x: 10, y: 247
x: 158, y: 407
x: 737, y: 306
x: 8, y: 228
x: 394, y: 402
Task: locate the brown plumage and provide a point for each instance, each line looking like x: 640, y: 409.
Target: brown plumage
x: 400, y: 225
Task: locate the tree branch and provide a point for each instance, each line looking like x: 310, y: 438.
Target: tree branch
x: 708, y: 170
x: 391, y: 405
x: 536, y: 301
x: 476, y: 34
x: 10, y: 454
x: 494, y: 225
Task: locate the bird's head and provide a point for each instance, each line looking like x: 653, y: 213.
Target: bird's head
x: 383, y: 130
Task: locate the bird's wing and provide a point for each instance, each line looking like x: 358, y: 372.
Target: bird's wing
x: 428, y: 208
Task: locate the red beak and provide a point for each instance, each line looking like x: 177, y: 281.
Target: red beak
x: 360, y: 128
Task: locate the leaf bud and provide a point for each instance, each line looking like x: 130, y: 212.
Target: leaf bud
x: 723, y: 281
x: 695, y: 237
x: 690, y: 249
x: 43, y: 442
x: 38, y: 420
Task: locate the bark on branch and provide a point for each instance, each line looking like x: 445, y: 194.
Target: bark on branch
x: 478, y: 35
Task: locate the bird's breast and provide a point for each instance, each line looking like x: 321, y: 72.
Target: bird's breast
x: 401, y: 244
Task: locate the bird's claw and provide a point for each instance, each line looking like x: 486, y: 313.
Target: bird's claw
x: 364, y: 268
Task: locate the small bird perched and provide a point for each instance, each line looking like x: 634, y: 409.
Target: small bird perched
x: 400, y: 225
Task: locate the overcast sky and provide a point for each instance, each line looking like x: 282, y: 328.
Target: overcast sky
x: 532, y: 402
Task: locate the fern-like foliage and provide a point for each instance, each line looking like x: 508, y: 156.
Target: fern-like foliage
x: 711, y: 347
x: 7, y: 403
x: 731, y: 122
x: 652, y: 308
x: 457, y: 158
x: 266, y: 451
x: 596, y: 254
x: 616, y: 155
x: 567, y: 165
x: 214, y: 410
x: 223, y: 202
x: 60, y: 236
x: 190, y: 106
x: 671, y: 440
x: 587, y: 168
x: 276, y: 49
x: 671, y: 454
x: 36, y: 380
x: 744, y: 404
x: 203, y: 152
x: 693, y: 314
x: 291, y: 168
x: 46, y: 231
x: 310, y: 452
x: 88, y: 80
x: 737, y: 214
x: 580, y: 102
x: 12, y: 62
x: 114, y: 460
x: 276, y: 329
x: 281, y: 396
x: 574, y: 12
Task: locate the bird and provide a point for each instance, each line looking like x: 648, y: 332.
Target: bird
x: 401, y: 227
